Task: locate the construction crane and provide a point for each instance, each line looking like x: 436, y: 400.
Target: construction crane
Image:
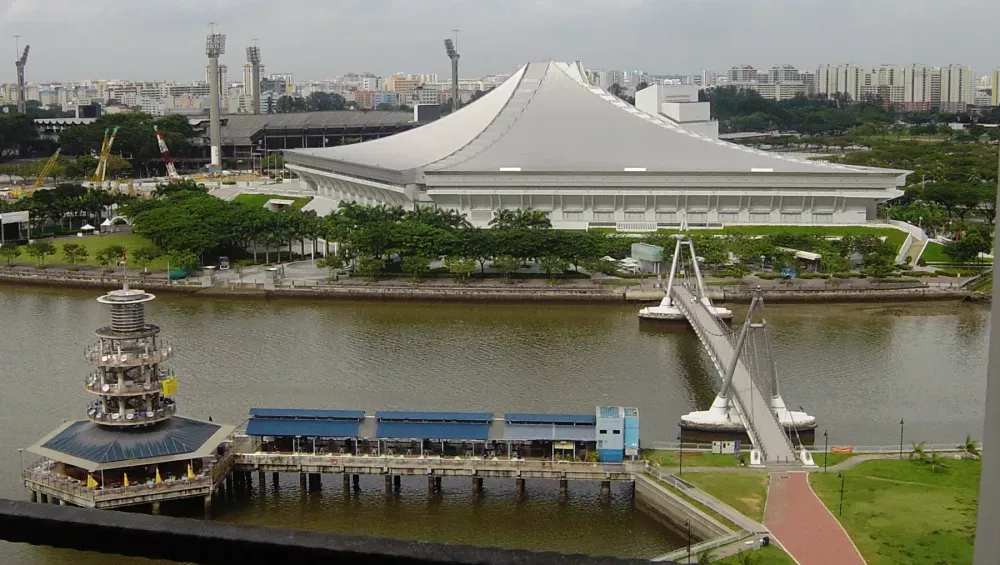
x: 167, y: 159
x: 49, y: 165
x: 102, y: 162
x: 22, y: 107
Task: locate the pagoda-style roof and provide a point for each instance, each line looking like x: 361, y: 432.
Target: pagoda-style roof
x: 94, y: 447
x: 548, y: 119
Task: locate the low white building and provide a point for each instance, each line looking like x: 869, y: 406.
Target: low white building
x: 547, y: 139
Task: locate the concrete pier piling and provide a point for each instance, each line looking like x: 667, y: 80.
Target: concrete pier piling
x: 519, y: 488
x: 62, y: 502
x: 437, y: 484
x: 261, y: 480
x: 563, y: 489
x: 605, y: 491
x: 229, y: 484
x: 43, y: 498
x: 33, y: 496
x: 347, y: 483
x: 315, y: 482
x: 302, y: 481
x: 155, y: 508
x: 430, y: 486
x: 275, y: 479
x: 208, y: 507
x: 356, y: 481
x: 388, y: 484
x: 396, y: 481
x: 477, y: 486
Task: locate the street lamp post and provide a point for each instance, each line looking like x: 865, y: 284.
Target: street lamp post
x: 900, y: 438
x: 20, y: 456
x: 826, y: 449
x: 687, y: 524
x: 843, y: 477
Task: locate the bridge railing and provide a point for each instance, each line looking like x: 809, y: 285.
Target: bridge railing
x: 701, y: 331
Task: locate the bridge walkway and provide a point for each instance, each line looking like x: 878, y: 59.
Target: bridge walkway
x: 754, y: 408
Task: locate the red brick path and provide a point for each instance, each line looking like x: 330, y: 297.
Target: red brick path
x: 803, y: 526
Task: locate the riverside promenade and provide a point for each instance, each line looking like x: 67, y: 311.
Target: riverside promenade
x: 804, y: 526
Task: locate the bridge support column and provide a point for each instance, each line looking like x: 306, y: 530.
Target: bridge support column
x: 396, y: 481
x: 519, y: 489
x: 208, y: 506
x: 605, y: 491
x: 347, y: 483
x: 477, y: 486
x: 156, y: 508
x: 563, y: 489
x: 430, y: 486
x: 302, y: 481
x: 388, y: 484
x: 33, y: 495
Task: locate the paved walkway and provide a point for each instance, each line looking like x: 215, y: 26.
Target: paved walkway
x: 803, y: 525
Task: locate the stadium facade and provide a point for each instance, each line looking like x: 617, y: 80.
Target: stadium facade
x: 546, y: 139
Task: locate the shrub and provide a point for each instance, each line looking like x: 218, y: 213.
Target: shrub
x: 768, y: 276
x: 842, y: 275
x: 921, y: 262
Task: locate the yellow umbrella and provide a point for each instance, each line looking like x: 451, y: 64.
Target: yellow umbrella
x: 125, y: 482
x: 190, y: 472
x: 91, y: 483
x: 158, y: 479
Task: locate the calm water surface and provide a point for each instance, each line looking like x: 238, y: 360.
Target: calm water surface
x: 858, y: 368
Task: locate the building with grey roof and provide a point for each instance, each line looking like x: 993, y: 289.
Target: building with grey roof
x: 549, y: 140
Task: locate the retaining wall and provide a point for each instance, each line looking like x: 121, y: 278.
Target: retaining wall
x: 673, y: 511
x: 70, y: 281
x: 846, y: 295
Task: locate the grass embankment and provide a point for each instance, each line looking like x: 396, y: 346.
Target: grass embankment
x: 770, y: 555
x: 94, y: 245
x: 904, y: 512
x: 892, y: 236
x: 259, y: 200
x: 934, y: 254
x: 669, y: 459
x: 745, y: 492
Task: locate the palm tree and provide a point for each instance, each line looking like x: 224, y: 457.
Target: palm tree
x: 747, y: 558
x: 918, y: 452
x: 503, y: 219
x: 971, y: 447
x: 706, y: 557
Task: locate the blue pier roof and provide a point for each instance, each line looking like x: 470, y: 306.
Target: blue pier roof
x: 296, y: 413
x: 395, y: 416
x: 454, y: 431
x: 303, y: 427
x: 523, y: 418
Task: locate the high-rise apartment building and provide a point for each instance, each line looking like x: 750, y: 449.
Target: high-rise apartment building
x: 401, y: 83
x: 840, y: 79
x: 248, y: 78
x: 609, y: 78
x: 957, y: 88
x: 743, y: 73
x: 995, y: 86
x: 784, y: 73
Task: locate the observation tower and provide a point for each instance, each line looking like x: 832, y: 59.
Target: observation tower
x: 133, y: 448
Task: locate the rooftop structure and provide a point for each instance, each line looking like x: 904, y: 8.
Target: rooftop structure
x: 549, y: 140
x: 132, y: 448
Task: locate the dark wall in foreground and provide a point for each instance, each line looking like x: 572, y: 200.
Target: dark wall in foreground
x: 209, y: 542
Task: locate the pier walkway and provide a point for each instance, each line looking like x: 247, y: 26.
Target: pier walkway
x: 753, y: 407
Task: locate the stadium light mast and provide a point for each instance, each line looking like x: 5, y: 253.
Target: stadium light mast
x: 215, y: 45
x: 449, y: 47
x: 253, y: 57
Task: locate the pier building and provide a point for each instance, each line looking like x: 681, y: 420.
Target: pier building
x: 549, y: 140
x: 132, y: 448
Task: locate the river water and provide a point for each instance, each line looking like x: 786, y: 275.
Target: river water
x: 858, y: 368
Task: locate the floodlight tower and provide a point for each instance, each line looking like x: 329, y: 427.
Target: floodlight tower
x: 449, y: 48
x: 215, y: 45
x: 253, y: 57
x: 22, y: 92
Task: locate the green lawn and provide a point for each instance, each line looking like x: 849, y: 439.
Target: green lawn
x: 770, y: 555
x: 668, y: 459
x: 94, y: 245
x: 903, y: 512
x: 259, y: 200
x: 831, y: 458
x: 934, y: 253
x: 745, y: 492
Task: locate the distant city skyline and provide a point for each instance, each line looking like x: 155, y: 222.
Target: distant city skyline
x: 315, y: 40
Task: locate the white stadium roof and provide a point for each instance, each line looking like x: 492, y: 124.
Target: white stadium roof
x: 548, y: 119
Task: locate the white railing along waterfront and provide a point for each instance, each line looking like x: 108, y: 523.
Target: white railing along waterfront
x: 855, y: 449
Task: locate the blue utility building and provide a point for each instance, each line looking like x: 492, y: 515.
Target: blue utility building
x: 617, y: 433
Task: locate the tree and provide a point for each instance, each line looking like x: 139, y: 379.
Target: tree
x: 553, y: 266
x: 507, y: 265
x: 146, y: 255
x: 110, y: 255
x: 325, y: 102
x: 74, y: 253
x: 971, y: 447
x: 461, y: 267
x: 182, y: 260
x: 332, y: 262
x: 877, y: 265
x: 10, y: 252
x: 40, y: 249
x: 415, y: 265
x: 17, y: 133
x: 369, y: 267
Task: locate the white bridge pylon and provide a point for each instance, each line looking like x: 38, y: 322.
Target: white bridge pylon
x: 667, y: 310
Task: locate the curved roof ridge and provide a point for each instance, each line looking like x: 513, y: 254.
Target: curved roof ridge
x: 468, y: 151
x: 679, y: 128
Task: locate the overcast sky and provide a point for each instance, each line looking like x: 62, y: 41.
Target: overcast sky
x: 164, y: 39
